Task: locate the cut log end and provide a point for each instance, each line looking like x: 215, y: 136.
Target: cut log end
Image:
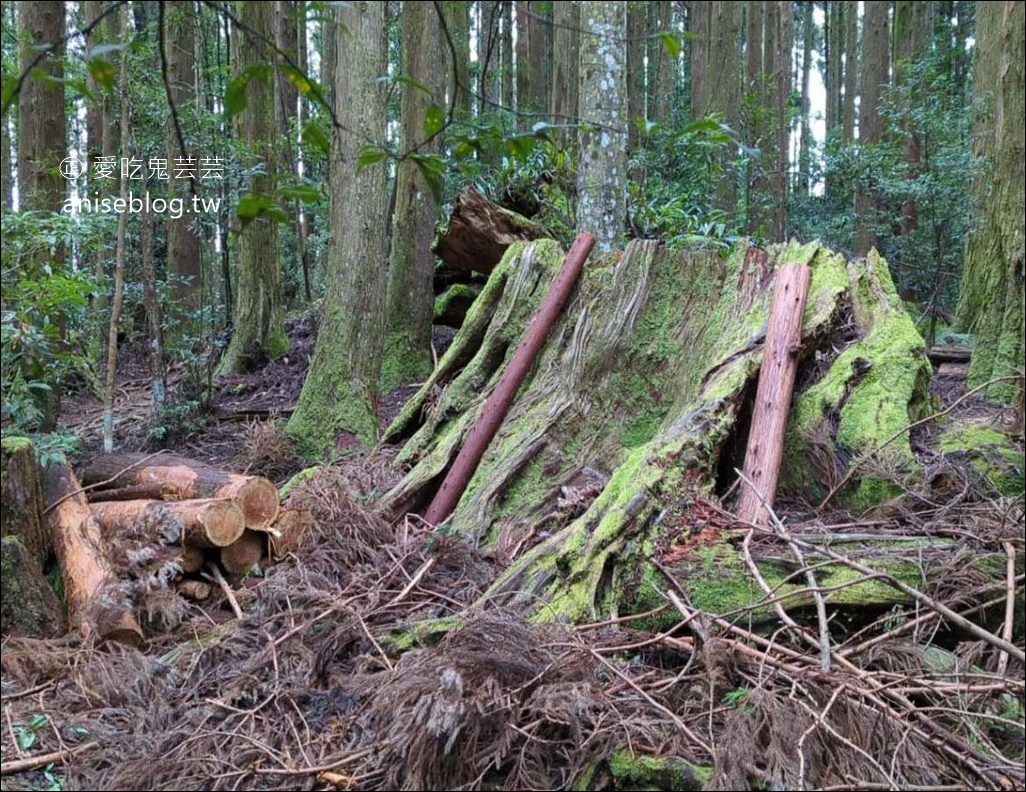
x: 245, y: 553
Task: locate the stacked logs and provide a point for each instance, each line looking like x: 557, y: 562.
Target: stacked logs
x: 187, y: 512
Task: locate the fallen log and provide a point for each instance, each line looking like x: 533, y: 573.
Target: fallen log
x: 195, y: 590
x: 949, y: 354
x: 289, y: 529
x: 479, y: 232
x: 255, y: 496
x: 774, y: 392
x: 158, y: 490
x: 244, y: 553
x: 206, y: 523
x: 95, y: 606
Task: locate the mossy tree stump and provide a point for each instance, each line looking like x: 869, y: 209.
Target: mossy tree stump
x: 636, y: 413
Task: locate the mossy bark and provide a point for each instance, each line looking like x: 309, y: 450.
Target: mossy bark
x: 636, y: 411
x: 338, y: 403
x: 991, y: 302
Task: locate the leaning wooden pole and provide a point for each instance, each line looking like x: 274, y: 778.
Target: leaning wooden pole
x: 498, y: 403
x: 773, y: 396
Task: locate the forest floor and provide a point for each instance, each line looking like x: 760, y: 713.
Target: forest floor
x: 365, y: 662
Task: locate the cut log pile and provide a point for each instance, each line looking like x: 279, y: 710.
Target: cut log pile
x: 168, y: 520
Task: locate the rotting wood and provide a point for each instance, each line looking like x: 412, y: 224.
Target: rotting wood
x: 89, y: 579
x: 196, y: 590
x: 255, y: 496
x: 207, y: 523
x: 498, y: 403
x: 773, y: 395
x: 949, y: 354
x: 479, y: 232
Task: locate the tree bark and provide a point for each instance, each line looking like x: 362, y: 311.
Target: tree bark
x: 539, y: 53
x: 244, y: 553
x: 565, y: 71
x: 339, y: 400
x: 833, y: 78
x: 662, y: 66
x: 406, y: 355
x: 205, y: 523
x: 255, y: 496
x: 457, y: 18
x: 183, y: 246
x: 258, y: 331
x: 489, y: 62
x: 637, y: 26
x: 851, y: 69
x: 991, y: 304
x: 874, y: 77
x: 94, y: 607
x: 602, y: 138
x: 806, y: 143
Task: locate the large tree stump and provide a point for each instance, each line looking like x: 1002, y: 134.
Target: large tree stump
x: 28, y: 605
x: 21, y: 500
x: 638, y: 409
x: 255, y: 496
x: 479, y: 232
x: 96, y: 607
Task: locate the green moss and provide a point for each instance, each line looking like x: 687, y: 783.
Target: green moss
x: 639, y: 771
x: 300, y: 478
x: 994, y: 456
x: 11, y: 444
x: 458, y: 291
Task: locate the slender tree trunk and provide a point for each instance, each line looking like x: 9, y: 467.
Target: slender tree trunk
x: 410, y: 296
x: 637, y: 25
x: 286, y: 40
x: 508, y: 72
x: 716, y: 77
x: 539, y: 29
x: 183, y: 246
x: 339, y: 399
x: 565, y: 71
x: 833, y: 78
x: 851, y: 70
x: 151, y: 304
x: 875, y: 70
x: 523, y: 61
x: 94, y: 107
x: 991, y: 302
x: 601, y: 179
x: 806, y: 143
x: 782, y: 80
x: 457, y: 18
x: 258, y: 333
x: 489, y: 61
x: 662, y: 67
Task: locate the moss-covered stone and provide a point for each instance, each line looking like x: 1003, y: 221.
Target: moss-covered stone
x: 298, y: 479
x: 993, y: 455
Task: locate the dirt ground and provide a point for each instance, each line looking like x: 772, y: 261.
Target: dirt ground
x: 371, y: 657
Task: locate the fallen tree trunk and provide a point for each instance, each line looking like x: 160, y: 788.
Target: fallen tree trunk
x: 95, y: 605
x: 158, y: 490
x: 479, y: 232
x: 203, y: 523
x: 244, y: 553
x: 256, y: 497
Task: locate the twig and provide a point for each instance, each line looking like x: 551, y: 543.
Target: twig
x: 424, y: 569
x: 228, y: 593
x: 810, y: 576
x: 1006, y: 630
x: 944, y: 610
x: 42, y: 760
x: 864, y: 457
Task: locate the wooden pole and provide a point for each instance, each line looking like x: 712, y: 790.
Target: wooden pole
x: 498, y: 403
x: 773, y: 396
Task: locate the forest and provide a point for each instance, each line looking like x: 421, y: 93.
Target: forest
x: 513, y: 395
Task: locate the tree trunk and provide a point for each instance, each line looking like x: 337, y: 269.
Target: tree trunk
x: 875, y: 67
x: 539, y: 53
x: 602, y: 138
x: 851, y: 69
x: 782, y: 81
x: 457, y: 19
x: 21, y: 500
x: 339, y: 398
x: 833, y: 77
x: 205, y: 523
x: 662, y: 66
x: 508, y: 72
x: 255, y: 496
x: 406, y: 356
x: 95, y: 607
x: 565, y: 71
x: 716, y: 79
x: 991, y: 302
x: 489, y: 61
x: 637, y: 26
x: 802, y: 183
x: 183, y: 246
x: 151, y: 303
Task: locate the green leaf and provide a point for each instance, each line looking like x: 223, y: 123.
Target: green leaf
x: 235, y: 95
x: 369, y: 155
x: 103, y: 72
x: 432, y: 169
x: 315, y: 137
x: 302, y: 82
x: 520, y: 146
x: 304, y: 193
x: 252, y: 205
x: 671, y: 43
x: 434, y: 120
